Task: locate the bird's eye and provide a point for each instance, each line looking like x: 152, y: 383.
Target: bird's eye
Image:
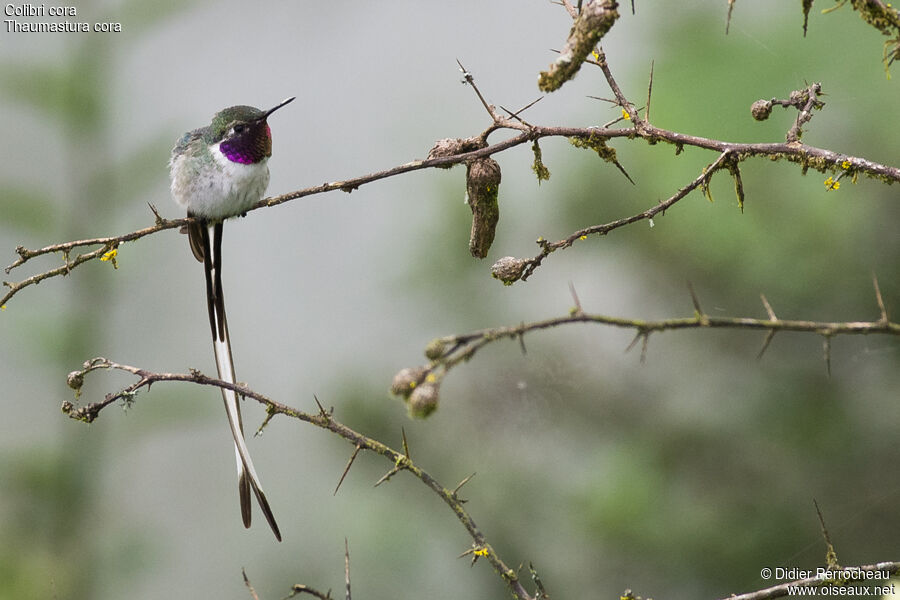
x: 239, y: 128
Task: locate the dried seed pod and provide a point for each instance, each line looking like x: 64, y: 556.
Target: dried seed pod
x: 761, y: 109
x: 435, y: 349
x: 508, y: 269
x: 75, y: 380
x: 406, y: 380
x: 482, y: 187
x: 424, y: 400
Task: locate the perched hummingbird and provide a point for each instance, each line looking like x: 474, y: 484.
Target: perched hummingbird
x: 220, y: 171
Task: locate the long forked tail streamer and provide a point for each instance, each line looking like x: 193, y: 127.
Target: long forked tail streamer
x: 211, y: 255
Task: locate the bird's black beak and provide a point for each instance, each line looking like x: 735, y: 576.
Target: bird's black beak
x: 271, y: 110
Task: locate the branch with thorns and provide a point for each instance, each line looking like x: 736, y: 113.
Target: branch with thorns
x: 445, y: 353
x: 401, y: 461
x: 448, y: 153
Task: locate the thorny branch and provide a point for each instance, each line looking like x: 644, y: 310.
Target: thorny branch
x: 510, y: 269
x: 447, y: 352
x: 467, y: 150
x: 400, y: 461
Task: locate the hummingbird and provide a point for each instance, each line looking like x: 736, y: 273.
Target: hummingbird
x: 219, y: 171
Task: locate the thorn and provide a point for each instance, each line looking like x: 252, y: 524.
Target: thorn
x: 738, y: 183
x: 700, y: 315
x: 830, y: 554
x: 637, y: 336
x: 644, y: 345
x: 468, y: 78
x: 624, y: 172
x: 159, y: 219
x: 405, y: 445
x: 475, y: 551
x: 826, y: 347
x: 529, y: 105
x: 388, y: 475
x: 521, y: 337
x: 515, y: 115
x: 269, y: 415
x: 649, y: 86
x: 768, y: 306
x: 880, y: 300
x: 461, y: 483
x: 617, y: 119
x: 347, y: 468
x: 512, y: 115
x: 578, y: 311
x: 322, y: 410
x: 399, y: 462
x: 766, y: 343
x: 614, y: 102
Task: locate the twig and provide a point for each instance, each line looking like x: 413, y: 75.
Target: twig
x: 621, y: 100
x: 463, y: 347
x: 470, y: 79
x: 830, y: 554
x: 530, y: 265
x: 805, y: 102
x: 807, y: 156
x: 299, y: 588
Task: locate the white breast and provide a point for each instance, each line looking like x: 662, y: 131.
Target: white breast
x: 218, y: 189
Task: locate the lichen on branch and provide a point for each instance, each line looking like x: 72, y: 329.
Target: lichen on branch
x: 595, y: 20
